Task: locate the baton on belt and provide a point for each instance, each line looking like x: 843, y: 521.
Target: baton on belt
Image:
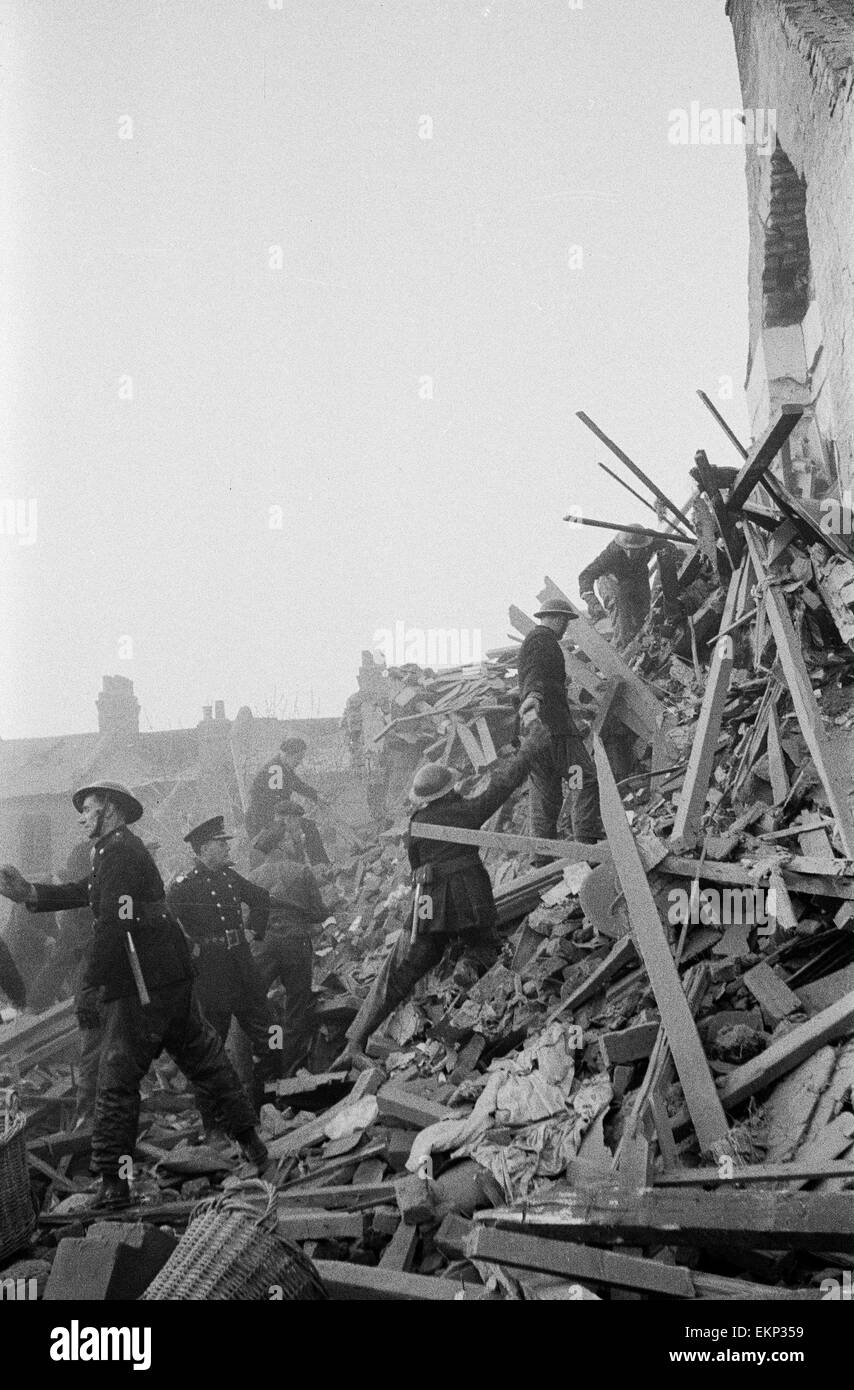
x: 136, y: 971
x: 413, y: 935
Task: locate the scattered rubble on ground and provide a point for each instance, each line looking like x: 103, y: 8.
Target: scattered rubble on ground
x: 663, y: 1059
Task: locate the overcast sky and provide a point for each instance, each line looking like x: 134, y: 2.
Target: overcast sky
x: 401, y: 378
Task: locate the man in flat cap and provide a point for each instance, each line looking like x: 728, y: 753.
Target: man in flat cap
x: 208, y: 902
x: 542, y: 694
x: 139, y: 960
x: 452, y: 891
x: 278, y: 780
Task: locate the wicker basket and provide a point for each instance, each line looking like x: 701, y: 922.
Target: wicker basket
x: 17, y: 1213
x: 232, y: 1250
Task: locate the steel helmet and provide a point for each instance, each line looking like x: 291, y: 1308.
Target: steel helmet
x: 116, y: 792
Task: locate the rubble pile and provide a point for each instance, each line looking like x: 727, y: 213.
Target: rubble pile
x: 652, y: 1092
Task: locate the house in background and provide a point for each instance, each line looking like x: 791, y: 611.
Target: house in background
x: 796, y: 62
x: 179, y: 775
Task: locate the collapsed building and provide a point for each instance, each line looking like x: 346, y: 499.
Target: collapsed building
x: 663, y: 1059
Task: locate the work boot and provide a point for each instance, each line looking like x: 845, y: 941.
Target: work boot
x: 112, y: 1193
x: 254, y: 1151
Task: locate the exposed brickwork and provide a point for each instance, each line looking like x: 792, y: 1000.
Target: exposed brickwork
x: 796, y: 57
x: 786, y: 272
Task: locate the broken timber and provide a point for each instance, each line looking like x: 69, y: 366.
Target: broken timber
x: 781, y: 1220
x: 803, y: 699
x: 527, y: 844
x: 706, y: 1111
x: 692, y: 798
x: 762, y: 454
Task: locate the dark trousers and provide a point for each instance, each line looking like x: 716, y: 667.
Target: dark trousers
x: 408, y: 962
x: 289, y: 956
x: 314, y: 846
x: 133, y: 1037
x: 255, y: 1017
x: 560, y: 758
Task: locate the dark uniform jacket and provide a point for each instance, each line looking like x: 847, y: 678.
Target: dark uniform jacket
x: 542, y: 672
x: 263, y: 798
x: 631, y: 571
x: 125, y: 892
x: 11, y: 983
x: 208, y: 904
x: 453, y: 875
x: 295, y: 898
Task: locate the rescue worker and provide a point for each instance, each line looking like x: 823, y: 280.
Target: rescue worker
x: 625, y: 563
x: 296, y: 907
x: 277, y: 780
x: 207, y: 900
x: 452, y: 900
x: 542, y: 694
x: 137, y: 947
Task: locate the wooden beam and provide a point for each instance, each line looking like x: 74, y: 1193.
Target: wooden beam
x: 344, y: 1281
x: 836, y: 785
x: 675, y: 1216
x: 758, y: 1172
x: 633, y: 468
x: 623, y: 954
x: 695, y: 788
x: 520, y: 1251
x: 570, y: 850
x: 776, y: 761
x: 822, y: 886
x: 683, y: 1039
x: 763, y: 453
x: 771, y: 993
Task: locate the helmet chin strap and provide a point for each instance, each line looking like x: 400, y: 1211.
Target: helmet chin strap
x: 99, y: 822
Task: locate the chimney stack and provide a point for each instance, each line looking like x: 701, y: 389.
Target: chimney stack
x: 118, y: 708
x: 207, y: 712
x: 219, y: 709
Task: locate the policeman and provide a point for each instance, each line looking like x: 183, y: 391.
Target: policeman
x: 625, y: 561
x: 452, y: 897
x: 542, y: 691
x: 207, y: 900
x: 296, y: 907
x: 276, y: 780
x: 140, y: 961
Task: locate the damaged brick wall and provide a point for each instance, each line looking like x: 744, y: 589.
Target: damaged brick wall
x: 796, y: 59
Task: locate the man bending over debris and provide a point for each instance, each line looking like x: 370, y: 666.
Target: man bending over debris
x: 278, y: 779
x: 453, y: 898
x: 542, y: 692
x: 140, y: 959
x: 626, y: 561
x: 296, y: 906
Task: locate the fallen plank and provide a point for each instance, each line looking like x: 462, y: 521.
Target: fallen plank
x: 796, y: 1171
x: 400, y: 1251
x: 710, y: 871
x: 788, y: 1052
x: 763, y: 453
x: 407, y: 1107
x: 771, y: 993
x: 308, y: 1224
x: 622, y: 955
x: 56, y: 1178
x: 344, y: 1281
x: 836, y: 785
x: 568, y: 850
x: 767, y: 1220
x: 578, y: 1262
x: 341, y: 1196
x: 826, y: 991
x: 705, y: 1108
x: 692, y: 798
x: 629, y: 1044
x: 315, y: 1131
